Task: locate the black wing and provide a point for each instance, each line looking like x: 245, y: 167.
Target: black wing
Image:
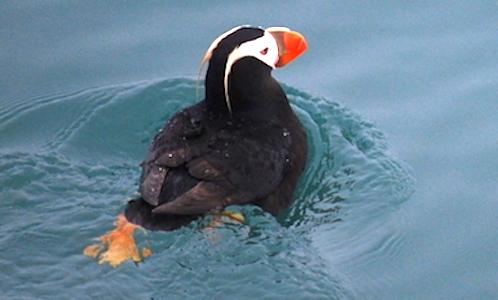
x: 194, y: 169
x: 163, y: 174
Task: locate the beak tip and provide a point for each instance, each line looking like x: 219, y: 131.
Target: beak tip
x: 303, y: 46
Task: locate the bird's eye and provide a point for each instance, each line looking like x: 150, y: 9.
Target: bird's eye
x: 264, y: 51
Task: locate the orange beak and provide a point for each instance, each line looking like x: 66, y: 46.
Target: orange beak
x: 291, y: 44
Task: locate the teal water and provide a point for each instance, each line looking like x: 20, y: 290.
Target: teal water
x: 399, y: 200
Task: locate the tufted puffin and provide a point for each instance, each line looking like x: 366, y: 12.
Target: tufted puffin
x: 242, y: 144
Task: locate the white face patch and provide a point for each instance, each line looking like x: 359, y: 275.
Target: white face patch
x: 264, y: 49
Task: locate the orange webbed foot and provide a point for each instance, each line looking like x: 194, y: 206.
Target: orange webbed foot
x: 118, y: 245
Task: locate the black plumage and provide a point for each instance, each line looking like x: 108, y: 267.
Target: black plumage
x: 207, y: 157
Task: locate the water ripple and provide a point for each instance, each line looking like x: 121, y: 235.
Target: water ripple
x: 69, y: 162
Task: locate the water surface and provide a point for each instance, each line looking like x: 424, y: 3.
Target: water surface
x: 399, y: 200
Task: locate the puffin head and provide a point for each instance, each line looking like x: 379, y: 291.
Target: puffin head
x: 252, y: 53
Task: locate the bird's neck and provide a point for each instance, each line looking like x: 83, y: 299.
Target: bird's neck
x: 214, y: 87
x: 252, y: 90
